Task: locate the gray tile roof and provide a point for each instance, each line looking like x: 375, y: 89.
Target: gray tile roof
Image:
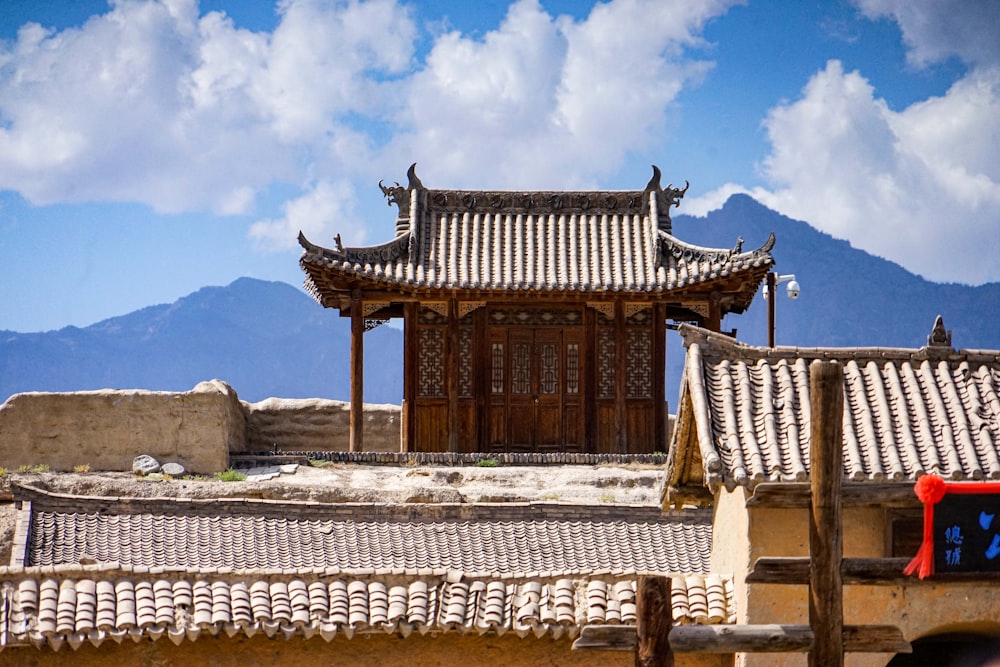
x: 496, y: 540
x: 744, y: 416
x: 609, y: 241
x: 71, y: 605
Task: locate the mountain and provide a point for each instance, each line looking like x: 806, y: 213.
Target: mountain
x: 271, y: 339
x: 849, y: 298
x: 263, y: 338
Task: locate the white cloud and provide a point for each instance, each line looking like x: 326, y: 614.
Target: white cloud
x: 934, y: 30
x: 920, y: 186
x: 325, y: 209
x: 549, y: 102
x: 152, y: 103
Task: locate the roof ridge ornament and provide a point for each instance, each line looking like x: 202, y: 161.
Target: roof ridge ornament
x: 665, y: 199
x: 400, y: 196
x: 940, y: 337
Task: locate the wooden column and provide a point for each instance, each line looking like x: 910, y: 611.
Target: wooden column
x: 654, y: 619
x: 451, y: 374
x: 714, y: 321
x: 659, y: 377
x: 357, y: 375
x: 826, y: 603
x: 621, y: 416
x: 410, y: 351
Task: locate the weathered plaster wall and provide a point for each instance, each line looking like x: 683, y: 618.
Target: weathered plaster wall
x: 377, y: 650
x: 730, y: 544
x: 106, y: 429
x: 315, y: 424
x: 918, y: 609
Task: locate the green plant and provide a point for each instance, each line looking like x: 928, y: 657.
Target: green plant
x: 3, y: 471
x: 320, y: 463
x: 607, y: 498
x: 82, y: 468
x: 230, y: 475
x: 24, y: 468
x: 487, y: 463
x: 38, y: 467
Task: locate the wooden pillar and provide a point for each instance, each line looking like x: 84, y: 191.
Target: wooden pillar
x: 621, y: 368
x: 659, y: 377
x: 714, y: 321
x: 410, y: 352
x: 826, y: 603
x: 357, y: 375
x: 451, y: 373
x: 654, y: 619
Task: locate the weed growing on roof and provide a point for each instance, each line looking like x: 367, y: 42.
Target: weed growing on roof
x: 3, y: 471
x: 487, y: 463
x: 82, y: 468
x: 230, y: 475
x: 607, y: 498
x: 320, y: 463
x: 41, y: 467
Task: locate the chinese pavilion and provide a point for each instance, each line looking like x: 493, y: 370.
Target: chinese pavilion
x: 533, y: 321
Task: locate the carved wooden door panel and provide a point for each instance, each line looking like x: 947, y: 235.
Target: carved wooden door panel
x: 543, y: 396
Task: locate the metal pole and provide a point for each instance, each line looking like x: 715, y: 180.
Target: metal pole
x: 772, y: 285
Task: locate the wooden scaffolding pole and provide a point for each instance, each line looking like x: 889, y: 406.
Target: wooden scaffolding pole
x: 826, y: 601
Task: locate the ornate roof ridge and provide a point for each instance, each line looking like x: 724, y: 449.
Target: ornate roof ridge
x: 684, y: 250
x: 714, y: 344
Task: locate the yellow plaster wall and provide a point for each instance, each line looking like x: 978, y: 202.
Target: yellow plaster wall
x: 918, y: 609
x: 375, y: 650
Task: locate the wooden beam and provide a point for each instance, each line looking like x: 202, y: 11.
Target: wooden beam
x: 607, y: 638
x: 785, y: 570
x: 871, y: 571
x: 795, y: 495
x: 654, y: 618
x: 826, y: 587
x: 773, y: 638
x: 764, y: 638
x: 357, y: 377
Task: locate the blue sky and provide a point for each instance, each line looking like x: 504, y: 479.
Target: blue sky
x: 149, y: 148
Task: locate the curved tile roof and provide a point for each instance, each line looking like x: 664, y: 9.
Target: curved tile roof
x: 500, y: 539
x: 73, y: 605
x: 609, y: 241
x: 907, y: 412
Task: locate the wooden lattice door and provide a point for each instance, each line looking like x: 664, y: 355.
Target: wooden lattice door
x: 536, y: 397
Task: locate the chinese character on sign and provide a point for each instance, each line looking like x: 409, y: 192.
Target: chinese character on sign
x: 953, y: 556
x: 953, y: 535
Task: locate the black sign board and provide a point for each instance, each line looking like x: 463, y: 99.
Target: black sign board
x: 967, y: 533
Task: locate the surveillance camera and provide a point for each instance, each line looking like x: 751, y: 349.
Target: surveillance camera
x: 793, y: 290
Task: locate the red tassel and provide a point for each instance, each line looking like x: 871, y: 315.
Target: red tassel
x: 930, y: 489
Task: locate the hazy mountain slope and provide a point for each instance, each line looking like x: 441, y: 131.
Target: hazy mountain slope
x: 264, y: 338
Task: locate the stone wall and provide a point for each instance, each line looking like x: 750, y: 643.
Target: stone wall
x: 106, y: 429
x: 315, y: 424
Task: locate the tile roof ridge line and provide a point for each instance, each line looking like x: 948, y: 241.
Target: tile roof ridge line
x: 114, y: 569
